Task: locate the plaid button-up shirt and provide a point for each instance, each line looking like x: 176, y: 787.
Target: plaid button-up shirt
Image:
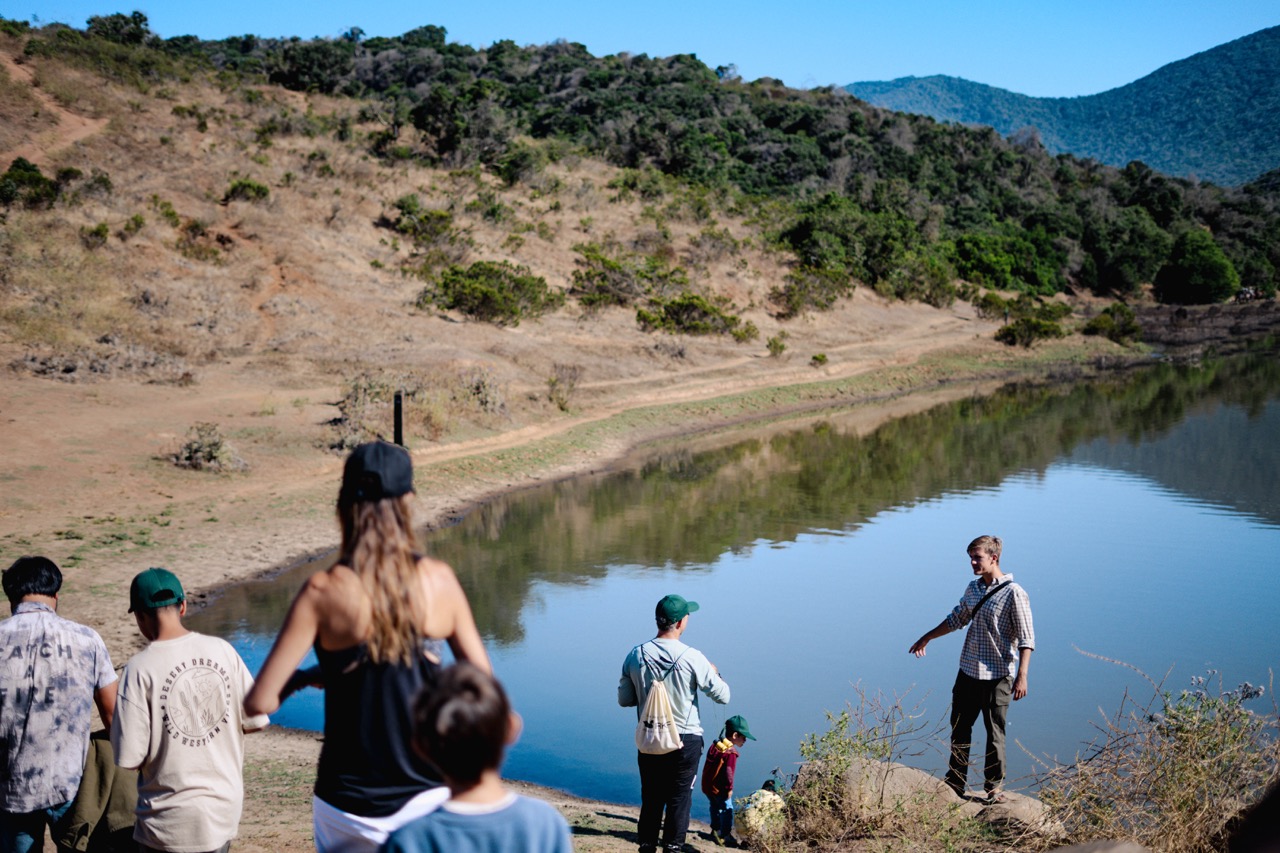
x: 997, y: 632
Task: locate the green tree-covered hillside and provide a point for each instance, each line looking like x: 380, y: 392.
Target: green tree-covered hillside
x: 1214, y: 116
x: 852, y: 193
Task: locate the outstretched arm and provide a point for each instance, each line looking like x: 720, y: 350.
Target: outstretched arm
x: 297, y: 635
x: 917, y: 648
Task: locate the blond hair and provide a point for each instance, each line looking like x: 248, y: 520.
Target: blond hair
x: 377, y: 544
x: 990, y: 545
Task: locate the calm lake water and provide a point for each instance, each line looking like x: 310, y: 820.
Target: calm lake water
x: 1141, y: 513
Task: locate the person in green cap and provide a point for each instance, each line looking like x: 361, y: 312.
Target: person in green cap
x: 666, y: 781
x: 179, y: 722
x: 717, y: 777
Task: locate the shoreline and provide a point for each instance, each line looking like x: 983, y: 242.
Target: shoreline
x: 445, y: 474
x: 238, y: 541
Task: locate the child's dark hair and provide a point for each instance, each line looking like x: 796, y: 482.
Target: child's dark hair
x: 31, y: 576
x: 461, y: 725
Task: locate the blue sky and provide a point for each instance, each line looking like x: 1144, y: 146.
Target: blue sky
x: 1036, y: 47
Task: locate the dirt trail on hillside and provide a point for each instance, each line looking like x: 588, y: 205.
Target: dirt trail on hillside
x: 70, y: 127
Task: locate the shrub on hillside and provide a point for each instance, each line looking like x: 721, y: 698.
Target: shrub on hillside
x: 688, y: 314
x: 205, y: 449
x: 992, y: 306
x: 562, y: 383
x: 1115, y: 322
x: 607, y: 275
x: 1026, y: 331
x: 425, y: 226
x: 521, y: 162
x: 95, y: 237
x: 1031, y: 319
x: 14, y: 28
x: 24, y: 184
x: 493, y: 291
x: 924, y: 275
x: 810, y: 288
x: 244, y: 189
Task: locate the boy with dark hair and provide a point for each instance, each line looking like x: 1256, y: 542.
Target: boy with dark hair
x: 463, y: 727
x: 717, y: 777
x: 179, y: 722
x: 52, y: 673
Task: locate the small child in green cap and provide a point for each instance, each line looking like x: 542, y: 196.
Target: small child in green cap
x: 717, y: 777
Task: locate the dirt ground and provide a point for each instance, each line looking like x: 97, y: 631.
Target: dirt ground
x: 267, y: 340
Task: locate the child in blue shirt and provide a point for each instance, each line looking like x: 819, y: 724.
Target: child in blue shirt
x: 463, y: 727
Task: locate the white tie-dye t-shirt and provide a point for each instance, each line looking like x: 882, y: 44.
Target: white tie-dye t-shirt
x: 50, y: 668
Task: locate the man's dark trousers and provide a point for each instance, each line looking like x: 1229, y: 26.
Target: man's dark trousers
x: 666, y: 783
x: 970, y: 697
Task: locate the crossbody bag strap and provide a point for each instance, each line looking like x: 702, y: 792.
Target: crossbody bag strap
x: 992, y: 592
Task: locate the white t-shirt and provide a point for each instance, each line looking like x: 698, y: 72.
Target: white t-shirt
x: 180, y: 722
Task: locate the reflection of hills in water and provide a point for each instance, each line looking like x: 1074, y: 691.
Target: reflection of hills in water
x: 686, y: 510
x: 1225, y: 456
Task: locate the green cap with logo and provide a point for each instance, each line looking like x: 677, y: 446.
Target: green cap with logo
x: 153, y: 589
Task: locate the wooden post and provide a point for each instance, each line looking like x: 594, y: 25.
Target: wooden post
x: 399, y: 418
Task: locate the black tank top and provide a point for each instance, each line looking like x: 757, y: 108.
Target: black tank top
x: 367, y: 763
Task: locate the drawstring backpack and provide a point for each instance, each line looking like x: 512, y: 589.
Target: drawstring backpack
x: 656, y: 732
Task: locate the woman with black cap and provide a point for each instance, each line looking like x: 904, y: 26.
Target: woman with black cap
x: 377, y: 620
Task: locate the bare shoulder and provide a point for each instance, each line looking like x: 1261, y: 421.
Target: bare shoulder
x: 337, y: 582
x: 436, y: 571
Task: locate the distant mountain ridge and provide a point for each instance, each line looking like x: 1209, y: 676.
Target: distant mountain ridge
x: 1214, y: 116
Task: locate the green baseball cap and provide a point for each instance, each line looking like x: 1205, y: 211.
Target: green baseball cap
x: 673, y: 608
x: 153, y: 589
x: 738, y: 723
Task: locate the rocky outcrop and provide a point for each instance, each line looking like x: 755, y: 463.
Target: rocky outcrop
x: 1224, y: 327
x: 880, y: 793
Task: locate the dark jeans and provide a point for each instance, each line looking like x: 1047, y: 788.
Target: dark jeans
x: 722, y: 816
x: 666, y: 783
x: 24, y: 831
x: 969, y: 697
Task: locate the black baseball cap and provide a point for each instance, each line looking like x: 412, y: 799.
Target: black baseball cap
x: 377, y: 470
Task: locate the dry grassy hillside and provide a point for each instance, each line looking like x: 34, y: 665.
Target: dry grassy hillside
x: 296, y: 274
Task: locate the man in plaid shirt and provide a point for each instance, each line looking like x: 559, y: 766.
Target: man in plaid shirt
x: 993, y: 663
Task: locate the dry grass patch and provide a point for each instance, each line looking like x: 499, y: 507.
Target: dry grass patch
x: 1173, y: 773
x: 54, y: 292
x: 25, y: 115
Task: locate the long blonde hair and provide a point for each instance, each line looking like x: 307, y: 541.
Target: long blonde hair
x: 377, y: 544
